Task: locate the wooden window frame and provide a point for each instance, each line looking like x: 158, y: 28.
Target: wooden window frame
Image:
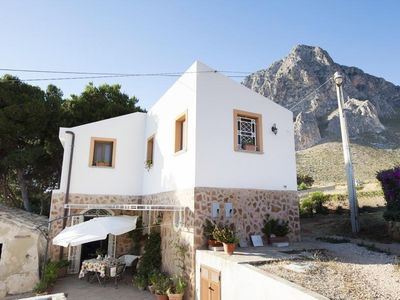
x: 259, y: 130
x: 150, y: 151
x: 181, y: 140
x: 93, y: 140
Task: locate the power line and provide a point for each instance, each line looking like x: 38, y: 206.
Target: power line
x: 314, y: 91
x: 99, y: 75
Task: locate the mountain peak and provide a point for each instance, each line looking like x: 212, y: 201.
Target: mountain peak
x: 299, y: 82
x: 310, y: 54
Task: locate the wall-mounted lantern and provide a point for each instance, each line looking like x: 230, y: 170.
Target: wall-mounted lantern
x: 274, y: 129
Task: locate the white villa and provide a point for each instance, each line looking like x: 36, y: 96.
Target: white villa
x: 209, y: 148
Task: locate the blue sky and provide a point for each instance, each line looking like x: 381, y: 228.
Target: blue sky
x: 167, y: 36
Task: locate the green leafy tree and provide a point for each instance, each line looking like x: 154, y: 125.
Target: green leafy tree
x: 30, y: 150
x: 22, y: 131
x: 98, y: 103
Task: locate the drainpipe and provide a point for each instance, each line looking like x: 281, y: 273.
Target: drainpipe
x: 71, y: 156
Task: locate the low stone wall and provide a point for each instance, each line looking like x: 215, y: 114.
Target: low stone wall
x: 250, y: 208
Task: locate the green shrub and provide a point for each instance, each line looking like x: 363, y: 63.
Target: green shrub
x: 137, y: 235
x: 48, y: 278
x: 178, y: 285
x: 151, y: 259
x: 162, y: 284
x: 302, y: 186
x: 276, y: 227
x: 314, y: 203
x: 306, y: 207
x: 225, y: 234
x: 306, y: 179
x: 140, y: 281
x: 208, y: 229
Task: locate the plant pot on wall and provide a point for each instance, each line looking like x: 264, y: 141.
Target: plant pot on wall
x: 229, y: 248
x: 249, y: 147
x: 214, y: 243
x: 102, y: 164
x: 175, y: 296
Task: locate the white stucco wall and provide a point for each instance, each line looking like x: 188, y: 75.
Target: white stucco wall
x: 209, y: 159
x: 19, y: 263
x: 243, y: 281
x: 172, y: 171
x: 217, y: 164
x: 126, y: 177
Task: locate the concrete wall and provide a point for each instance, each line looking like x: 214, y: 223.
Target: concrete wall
x: 126, y: 177
x: 243, y: 281
x: 172, y: 171
x: 217, y: 164
x: 19, y: 263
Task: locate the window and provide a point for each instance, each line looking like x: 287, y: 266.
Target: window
x: 150, y: 149
x: 247, y: 131
x: 180, y: 132
x: 102, y: 152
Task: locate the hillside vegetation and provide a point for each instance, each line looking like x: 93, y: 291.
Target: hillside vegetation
x: 325, y: 163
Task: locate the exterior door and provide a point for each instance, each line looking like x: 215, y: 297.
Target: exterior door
x: 74, y: 253
x: 210, y: 284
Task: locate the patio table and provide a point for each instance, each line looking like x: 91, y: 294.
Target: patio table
x: 98, y: 266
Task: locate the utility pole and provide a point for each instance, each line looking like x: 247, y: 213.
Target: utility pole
x: 355, y: 225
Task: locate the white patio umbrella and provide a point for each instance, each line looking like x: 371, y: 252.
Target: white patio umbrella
x: 94, y: 230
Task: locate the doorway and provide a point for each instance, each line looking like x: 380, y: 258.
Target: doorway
x: 93, y: 249
x: 210, y: 283
x: 79, y: 253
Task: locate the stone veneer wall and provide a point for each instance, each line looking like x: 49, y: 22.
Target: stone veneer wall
x: 171, y: 236
x: 250, y: 208
x: 57, y: 210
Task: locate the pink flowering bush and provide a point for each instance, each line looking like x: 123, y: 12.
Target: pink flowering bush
x: 390, y: 182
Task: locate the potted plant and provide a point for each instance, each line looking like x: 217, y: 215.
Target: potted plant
x: 62, y: 267
x: 102, y: 163
x: 161, y: 287
x: 208, y: 229
x: 276, y: 230
x: 140, y: 281
x: 226, y: 235
x: 249, y: 145
x: 148, y: 164
x: 177, y: 289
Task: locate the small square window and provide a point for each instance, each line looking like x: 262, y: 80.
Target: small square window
x: 247, y: 131
x: 102, y: 153
x: 181, y: 133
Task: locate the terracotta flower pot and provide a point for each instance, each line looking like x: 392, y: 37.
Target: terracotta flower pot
x: 214, y: 243
x: 229, y: 248
x: 161, y: 297
x: 249, y: 147
x: 175, y: 296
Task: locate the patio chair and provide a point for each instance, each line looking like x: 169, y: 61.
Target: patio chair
x: 119, y: 273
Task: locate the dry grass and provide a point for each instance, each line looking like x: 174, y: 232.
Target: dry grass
x: 325, y: 162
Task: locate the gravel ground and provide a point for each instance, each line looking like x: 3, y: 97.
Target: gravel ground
x: 345, y: 271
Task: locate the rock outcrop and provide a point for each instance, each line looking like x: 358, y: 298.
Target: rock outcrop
x: 301, y: 83
x: 306, y: 130
x: 361, y: 116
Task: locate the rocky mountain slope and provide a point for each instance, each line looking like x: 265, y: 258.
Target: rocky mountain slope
x: 372, y: 101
